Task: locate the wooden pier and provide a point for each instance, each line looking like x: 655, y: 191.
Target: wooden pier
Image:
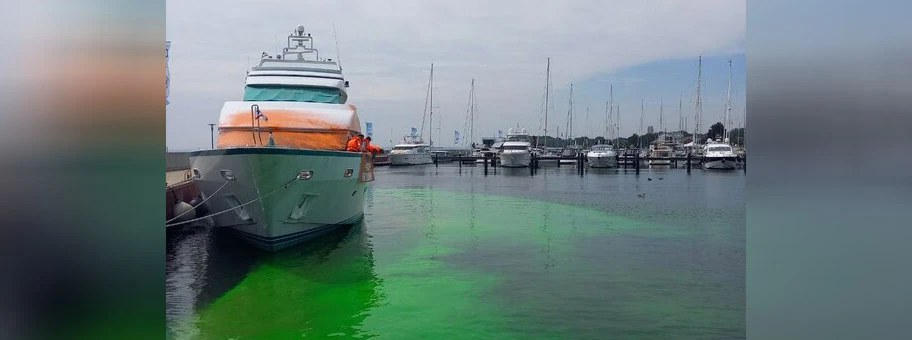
x: 579, y: 160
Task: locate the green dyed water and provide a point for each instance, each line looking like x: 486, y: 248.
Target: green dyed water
x: 439, y: 258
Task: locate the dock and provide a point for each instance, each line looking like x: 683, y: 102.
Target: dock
x: 580, y: 161
x: 179, y: 186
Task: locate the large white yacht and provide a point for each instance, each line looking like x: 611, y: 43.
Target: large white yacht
x: 602, y: 156
x: 718, y: 155
x: 516, y: 151
x: 280, y: 173
x: 412, y: 151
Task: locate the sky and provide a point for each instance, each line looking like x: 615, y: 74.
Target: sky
x: 646, y: 49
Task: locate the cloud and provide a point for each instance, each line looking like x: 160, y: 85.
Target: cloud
x: 387, y: 48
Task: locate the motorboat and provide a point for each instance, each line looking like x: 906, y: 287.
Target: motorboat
x: 602, y: 156
x: 718, y: 155
x: 516, y: 149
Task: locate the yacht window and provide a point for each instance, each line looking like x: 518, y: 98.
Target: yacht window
x: 329, y: 95
x: 719, y: 148
x: 514, y: 147
x: 404, y: 147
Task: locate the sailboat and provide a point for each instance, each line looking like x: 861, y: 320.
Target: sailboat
x: 541, y: 148
x: 604, y: 155
x: 280, y: 174
x: 570, y: 150
x: 718, y: 154
x: 661, y: 153
x: 413, y: 150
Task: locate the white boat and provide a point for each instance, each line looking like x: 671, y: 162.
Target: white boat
x: 280, y: 174
x: 661, y: 151
x: 516, y: 150
x: 602, y: 156
x: 718, y: 156
x: 412, y: 151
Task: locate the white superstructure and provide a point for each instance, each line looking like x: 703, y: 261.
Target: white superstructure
x: 516, y: 150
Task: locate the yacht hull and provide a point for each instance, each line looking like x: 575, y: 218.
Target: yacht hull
x: 410, y: 159
x: 286, y: 210
x: 515, y: 159
x: 719, y: 163
x: 602, y: 161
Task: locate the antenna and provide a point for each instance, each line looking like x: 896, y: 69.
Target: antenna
x: 338, y: 52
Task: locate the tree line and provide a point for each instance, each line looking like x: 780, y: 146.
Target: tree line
x: 736, y: 137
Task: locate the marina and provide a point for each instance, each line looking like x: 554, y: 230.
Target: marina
x: 420, y: 193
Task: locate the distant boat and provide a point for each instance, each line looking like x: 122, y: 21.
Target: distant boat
x: 280, y: 174
x: 660, y: 151
x: 718, y: 156
x: 516, y: 152
x: 412, y: 151
x: 602, y: 156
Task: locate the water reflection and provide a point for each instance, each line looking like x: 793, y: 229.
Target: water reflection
x: 219, y: 287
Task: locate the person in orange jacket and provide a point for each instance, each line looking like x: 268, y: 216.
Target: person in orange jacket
x: 373, y: 149
x: 354, y: 144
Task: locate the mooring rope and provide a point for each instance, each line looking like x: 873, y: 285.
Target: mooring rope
x: 200, y: 203
x: 283, y: 186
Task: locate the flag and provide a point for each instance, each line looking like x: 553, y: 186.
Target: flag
x: 456, y: 139
x: 369, y: 129
x: 414, y: 131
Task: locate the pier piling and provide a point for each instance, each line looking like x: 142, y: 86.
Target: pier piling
x: 636, y: 162
x: 579, y: 163
x: 486, y: 157
x: 688, y: 162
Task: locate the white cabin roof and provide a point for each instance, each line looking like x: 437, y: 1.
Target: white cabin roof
x: 292, y: 68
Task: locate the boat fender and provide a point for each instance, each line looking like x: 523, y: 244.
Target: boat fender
x: 201, y: 210
x: 182, y: 207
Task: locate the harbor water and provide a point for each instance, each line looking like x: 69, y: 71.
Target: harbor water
x: 449, y: 253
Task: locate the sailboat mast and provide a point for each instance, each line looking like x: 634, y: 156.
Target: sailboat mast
x: 547, y: 95
x: 431, y: 123
x: 728, y: 103
x: 698, y: 114
x: 569, y: 131
x: 473, y: 107
x: 662, y: 120
x: 607, y: 118
x: 587, y: 126
x: 642, y: 115
x: 617, y: 127
x: 681, y: 115
x: 609, y: 110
